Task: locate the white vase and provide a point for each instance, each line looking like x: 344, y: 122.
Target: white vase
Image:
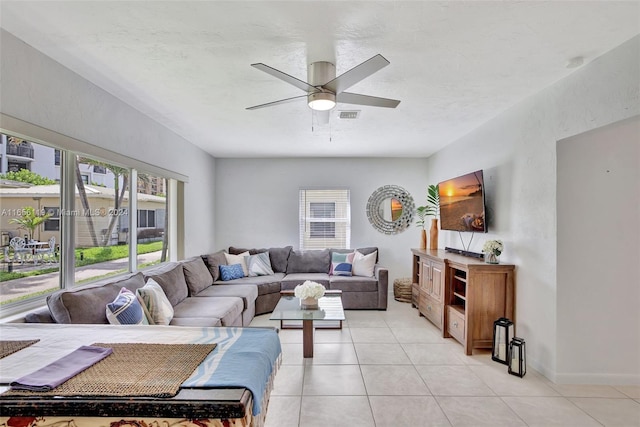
x: 308, y: 303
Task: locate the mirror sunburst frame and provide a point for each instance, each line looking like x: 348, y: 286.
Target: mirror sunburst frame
x: 396, y: 217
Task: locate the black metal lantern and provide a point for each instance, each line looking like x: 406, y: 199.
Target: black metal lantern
x: 517, y: 357
x: 502, y: 334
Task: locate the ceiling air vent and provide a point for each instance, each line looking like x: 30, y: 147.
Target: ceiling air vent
x: 348, y: 114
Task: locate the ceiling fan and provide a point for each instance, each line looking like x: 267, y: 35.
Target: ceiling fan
x: 324, y: 89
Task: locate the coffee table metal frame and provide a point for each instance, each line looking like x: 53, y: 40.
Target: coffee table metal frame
x: 329, y: 309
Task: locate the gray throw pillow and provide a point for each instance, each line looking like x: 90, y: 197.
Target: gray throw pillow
x: 170, y: 277
x: 279, y: 258
x: 238, y: 251
x: 197, y: 275
x: 311, y: 261
x: 213, y: 262
x: 87, y: 304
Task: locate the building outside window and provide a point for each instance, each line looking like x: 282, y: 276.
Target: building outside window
x: 98, y: 218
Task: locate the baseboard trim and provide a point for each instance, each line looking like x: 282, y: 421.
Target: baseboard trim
x: 604, y: 379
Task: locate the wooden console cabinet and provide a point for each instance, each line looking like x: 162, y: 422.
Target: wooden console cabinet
x: 462, y: 296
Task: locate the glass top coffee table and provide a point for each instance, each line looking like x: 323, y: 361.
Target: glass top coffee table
x: 329, y: 308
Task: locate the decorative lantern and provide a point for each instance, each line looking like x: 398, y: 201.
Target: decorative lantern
x: 502, y: 334
x: 517, y: 357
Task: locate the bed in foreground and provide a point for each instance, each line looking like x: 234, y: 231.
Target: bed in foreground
x: 230, y: 387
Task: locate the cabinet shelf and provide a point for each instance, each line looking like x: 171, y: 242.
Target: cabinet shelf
x: 460, y: 295
x: 460, y: 278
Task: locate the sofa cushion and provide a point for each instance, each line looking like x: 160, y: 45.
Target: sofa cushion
x: 42, y: 315
x: 312, y: 261
x: 278, y: 256
x: 238, y: 259
x: 292, y: 280
x: 197, y: 275
x: 257, y: 280
x: 237, y: 251
x: 213, y: 262
x: 248, y: 293
x: 363, y: 265
x: 204, y: 322
x: 259, y: 265
x: 353, y: 284
x: 227, y: 309
x: 87, y: 304
x: 126, y: 310
x: 171, y: 277
x: 268, y: 288
x: 156, y: 303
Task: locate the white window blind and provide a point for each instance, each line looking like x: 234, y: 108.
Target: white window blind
x: 325, y: 219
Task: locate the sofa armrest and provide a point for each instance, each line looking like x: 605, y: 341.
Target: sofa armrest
x: 382, y: 274
x: 42, y: 315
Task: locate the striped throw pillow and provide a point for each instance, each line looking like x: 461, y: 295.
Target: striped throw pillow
x: 259, y: 264
x: 156, y: 303
x: 126, y: 310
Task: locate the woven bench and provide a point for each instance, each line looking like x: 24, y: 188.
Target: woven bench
x: 402, y: 289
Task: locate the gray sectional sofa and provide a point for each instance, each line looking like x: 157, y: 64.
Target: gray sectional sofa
x: 200, y: 297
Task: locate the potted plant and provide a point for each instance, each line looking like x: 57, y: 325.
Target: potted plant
x: 433, y: 209
x: 492, y: 250
x: 421, y: 212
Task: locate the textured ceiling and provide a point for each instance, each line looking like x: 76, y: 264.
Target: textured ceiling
x: 454, y: 65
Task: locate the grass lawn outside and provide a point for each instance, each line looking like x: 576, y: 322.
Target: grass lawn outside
x: 88, y: 256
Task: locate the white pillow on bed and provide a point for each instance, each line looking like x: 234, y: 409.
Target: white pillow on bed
x: 158, y: 307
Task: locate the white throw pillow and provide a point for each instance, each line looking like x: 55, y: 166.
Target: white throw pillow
x: 238, y: 259
x: 156, y: 303
x: 363, y: 265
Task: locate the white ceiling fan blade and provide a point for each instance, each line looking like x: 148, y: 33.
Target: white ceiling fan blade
x: 285, y: 77
x: 373, y: 101
x: 346, y: 80
x: 271, y: 104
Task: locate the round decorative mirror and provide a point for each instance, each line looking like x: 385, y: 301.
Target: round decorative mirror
x: 390, y: 209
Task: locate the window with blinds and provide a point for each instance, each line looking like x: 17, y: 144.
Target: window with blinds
x: 325, y: 219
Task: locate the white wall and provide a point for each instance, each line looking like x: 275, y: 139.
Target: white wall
x: 517, y: 151
x: 38, y: 90
x: 257, y: 201
x: 599, y: 253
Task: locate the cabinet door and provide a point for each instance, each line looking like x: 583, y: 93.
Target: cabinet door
x: 437, y: 280
x: 425, y: 278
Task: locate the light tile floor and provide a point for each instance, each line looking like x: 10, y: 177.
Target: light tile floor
x: 392, y: 369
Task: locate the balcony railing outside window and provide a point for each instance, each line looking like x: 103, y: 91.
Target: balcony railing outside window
x: 19, y: 150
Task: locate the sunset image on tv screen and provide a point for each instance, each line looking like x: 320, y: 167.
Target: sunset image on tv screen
x: 462, y: 203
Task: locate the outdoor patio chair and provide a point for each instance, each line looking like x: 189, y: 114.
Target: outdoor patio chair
x: 48, y: 254
x: 20, y: 251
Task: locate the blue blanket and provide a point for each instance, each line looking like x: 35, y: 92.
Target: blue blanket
x: 244, y: 357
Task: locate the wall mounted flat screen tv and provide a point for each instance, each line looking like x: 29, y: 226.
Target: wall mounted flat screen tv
x: 462, y: 203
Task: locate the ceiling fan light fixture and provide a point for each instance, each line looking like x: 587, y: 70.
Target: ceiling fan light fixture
x: 321, y: 101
